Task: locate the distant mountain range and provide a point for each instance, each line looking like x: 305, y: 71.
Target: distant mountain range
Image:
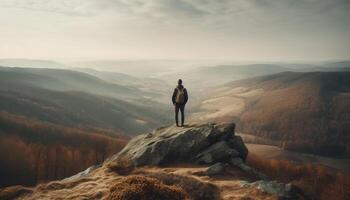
x: 200, y: 78
x: 33, y: 63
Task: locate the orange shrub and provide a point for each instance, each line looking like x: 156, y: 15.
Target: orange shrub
x: 196, y: 189
x: 145, y: 188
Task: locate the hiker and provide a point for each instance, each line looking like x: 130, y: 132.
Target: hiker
x: 179, y: 99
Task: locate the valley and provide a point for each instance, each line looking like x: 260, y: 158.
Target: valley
x: 307, y: 111
x: 278, y: 104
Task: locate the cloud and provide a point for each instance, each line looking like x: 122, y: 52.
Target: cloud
x: 187, y: 10
x: 229, y: 13
x: 191, y: 28
x: 66, y: 7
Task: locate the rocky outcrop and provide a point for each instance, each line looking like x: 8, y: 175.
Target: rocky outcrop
x: 201, y: 144
x: 204, y: 144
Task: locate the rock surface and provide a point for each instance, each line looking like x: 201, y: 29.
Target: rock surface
x: 238, y: 162
x: 272, y: 187
x: 216, y: 169
x: 83, y: 173
x: 202, y: 144
x: 217, y: 152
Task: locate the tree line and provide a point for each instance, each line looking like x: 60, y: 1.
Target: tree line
x: 33, y: 151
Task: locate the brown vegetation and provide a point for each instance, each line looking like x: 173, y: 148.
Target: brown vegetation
x: 306, y: 112
x: 316, y: 181
x: 196, y: 189
x: 303, y: 114
x: 145, y: 188
x: 32, y: 151
x: 13, y: 192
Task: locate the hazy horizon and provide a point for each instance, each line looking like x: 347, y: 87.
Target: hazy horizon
x: 265, y: 30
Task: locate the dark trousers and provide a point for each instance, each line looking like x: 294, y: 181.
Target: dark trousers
x: 180, y: 107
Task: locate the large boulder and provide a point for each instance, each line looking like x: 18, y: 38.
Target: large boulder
x: 217, y: 152
x: 203, y: 144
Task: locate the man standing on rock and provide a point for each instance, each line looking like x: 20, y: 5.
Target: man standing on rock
x: 179, y: 99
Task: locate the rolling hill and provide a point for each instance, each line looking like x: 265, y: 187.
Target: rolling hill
x: 307, y: 112
x: 155, y: 89
x: 58, y: 122
x: 68, y: 80
x: 78, y: 99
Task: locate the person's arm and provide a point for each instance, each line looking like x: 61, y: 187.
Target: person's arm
x: 186, y: 96
x: 174, y: 96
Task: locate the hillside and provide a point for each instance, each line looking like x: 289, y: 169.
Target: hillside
x: 307, y: 112
x: 152, y: 88
x: 42, y: 151
x: 68, y: 80
x: 58, y: 122
x: 77, y: 109
x: 75, y: 99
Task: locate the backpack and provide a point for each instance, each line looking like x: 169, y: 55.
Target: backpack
x: 180, y: 95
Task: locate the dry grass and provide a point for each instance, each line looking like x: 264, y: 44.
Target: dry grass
x: 145, y: 188
x: 13, y: 192
x: 314, y: 181
x: 197, y: 190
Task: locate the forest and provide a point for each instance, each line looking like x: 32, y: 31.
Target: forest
x: 312, y: 181
x: 307, y: 112
x: 33, y: 151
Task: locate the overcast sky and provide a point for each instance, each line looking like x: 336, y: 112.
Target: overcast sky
x: 271, y: 30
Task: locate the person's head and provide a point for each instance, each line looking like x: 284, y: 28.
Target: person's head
x: 179, y: 82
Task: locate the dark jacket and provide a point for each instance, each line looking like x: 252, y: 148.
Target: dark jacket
x: 175, y: 93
